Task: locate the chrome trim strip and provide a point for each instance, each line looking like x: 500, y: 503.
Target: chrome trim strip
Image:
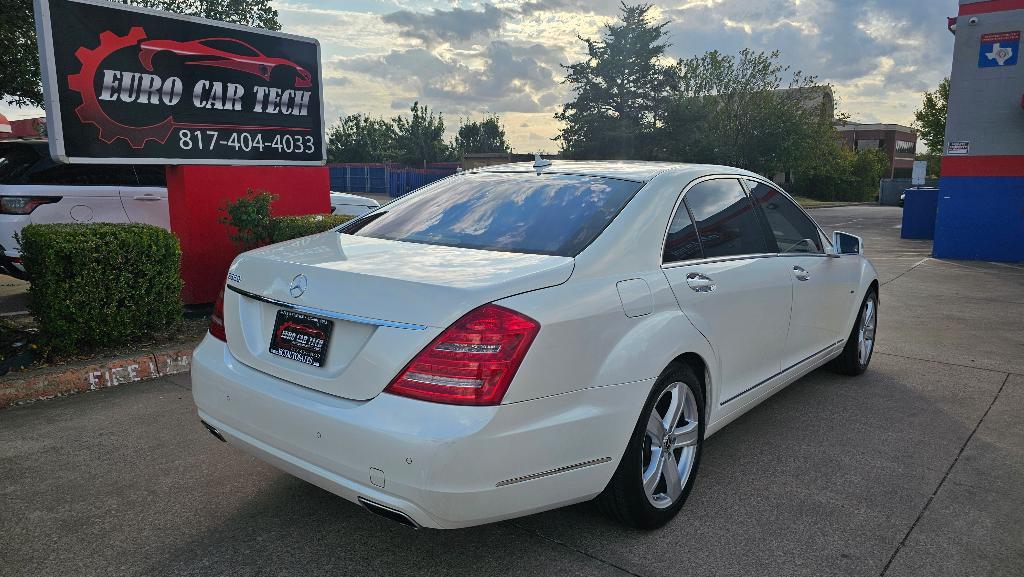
x: 782, y: 372
x: 369, y: 505
x: 714, y: 259
x: 328, y: 314
x: 699, y: 261
x: 565, y: 469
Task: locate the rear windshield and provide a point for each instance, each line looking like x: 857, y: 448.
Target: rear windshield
x: 550, y: 214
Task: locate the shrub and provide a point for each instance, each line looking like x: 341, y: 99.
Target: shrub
x: 288, y: 227
x: 254, y: 227
x: 250, y: 217
x: 101, y: 284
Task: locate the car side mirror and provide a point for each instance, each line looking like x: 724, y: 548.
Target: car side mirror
x: 846, y: 243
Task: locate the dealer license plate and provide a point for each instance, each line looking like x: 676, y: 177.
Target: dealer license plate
x: 301, y: 337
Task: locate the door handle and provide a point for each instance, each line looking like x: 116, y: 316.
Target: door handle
x: 801, y: 273
x: 700, y: 283
x: 147, y: 197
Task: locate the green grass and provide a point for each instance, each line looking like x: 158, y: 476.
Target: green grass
x: 815, y: 203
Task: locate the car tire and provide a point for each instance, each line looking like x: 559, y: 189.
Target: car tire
x: 627, y: 498
x: 860, y: 345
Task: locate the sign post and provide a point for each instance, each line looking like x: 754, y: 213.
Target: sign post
x: 130, y: 85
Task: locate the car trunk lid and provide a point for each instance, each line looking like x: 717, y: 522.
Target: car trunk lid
x: 386, y: 301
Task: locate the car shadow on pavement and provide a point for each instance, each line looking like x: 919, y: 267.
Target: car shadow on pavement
x: 827, y: 476
x: 295, y: 528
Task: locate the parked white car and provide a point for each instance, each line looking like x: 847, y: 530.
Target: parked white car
x: 34, y: 189
x: 351, y: 204
x: 512, y: 339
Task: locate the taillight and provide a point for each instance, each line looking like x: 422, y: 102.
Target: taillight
x: 217, y: 319
x: 24, y: 204
x: 472, y: 362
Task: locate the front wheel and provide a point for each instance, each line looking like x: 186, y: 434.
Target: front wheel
x: 660, y: 463
x: 861, y: 343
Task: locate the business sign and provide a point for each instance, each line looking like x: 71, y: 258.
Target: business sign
x: 958, y: 148
x: 127, y: 84
x: 999, y: 49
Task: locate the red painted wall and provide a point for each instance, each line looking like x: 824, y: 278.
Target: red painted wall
x: 196, y: 195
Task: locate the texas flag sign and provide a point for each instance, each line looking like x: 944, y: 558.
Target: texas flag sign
x: 999, y: 49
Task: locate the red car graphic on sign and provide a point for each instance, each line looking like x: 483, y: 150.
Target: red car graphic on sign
x: 223, y: 53
x: 299, y: 328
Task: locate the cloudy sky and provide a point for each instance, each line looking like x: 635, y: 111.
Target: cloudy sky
x: 467, y: 59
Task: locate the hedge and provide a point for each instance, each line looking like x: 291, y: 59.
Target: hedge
x: 288, y: 227
x: 101, y: 284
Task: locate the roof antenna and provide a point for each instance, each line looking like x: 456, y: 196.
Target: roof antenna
x: 540, y: 163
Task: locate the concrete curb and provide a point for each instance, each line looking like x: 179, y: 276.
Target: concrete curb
x: 56, y: 382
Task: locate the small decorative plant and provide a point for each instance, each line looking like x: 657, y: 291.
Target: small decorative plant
x: 250, y: 218
x: 254, y: 227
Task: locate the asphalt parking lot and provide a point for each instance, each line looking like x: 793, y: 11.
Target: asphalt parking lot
x: 915, y: 468
x: 13, y: 295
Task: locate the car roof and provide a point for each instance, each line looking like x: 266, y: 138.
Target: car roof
x: 27, y: 141
x: 635, y: 170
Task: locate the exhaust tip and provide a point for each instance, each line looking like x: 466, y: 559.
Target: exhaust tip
x: 213, y: 431
x: 388, y: 513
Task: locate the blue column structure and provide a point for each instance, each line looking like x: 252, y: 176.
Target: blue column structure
x: 981, y: 202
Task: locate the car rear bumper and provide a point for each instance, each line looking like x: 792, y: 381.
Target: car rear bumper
x: 443, y: 466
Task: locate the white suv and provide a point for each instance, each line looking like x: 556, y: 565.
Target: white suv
x: 35, y: 189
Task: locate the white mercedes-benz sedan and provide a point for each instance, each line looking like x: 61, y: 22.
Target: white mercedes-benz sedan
x: 518, y: 338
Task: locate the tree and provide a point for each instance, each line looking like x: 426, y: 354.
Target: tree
x: 362, y: 138
x: 487, y: 135
x: 743, y: 111
x: 930, y: 119
x: 253, y: 13
x: 420, y: 138
x: 934, y: 163
x: 19, y: 54
x: 621, y: 89
x: 869, y: 166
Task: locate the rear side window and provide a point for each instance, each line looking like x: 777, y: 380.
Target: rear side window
x: 151, y: 174
x: 50, y: 172
x: 793, y: 231
x: 725, y: 219
x: 15, y: 161
x: 552, y: 214
x: 682, y: 242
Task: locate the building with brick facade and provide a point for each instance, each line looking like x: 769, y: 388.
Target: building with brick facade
x: 898, y: 142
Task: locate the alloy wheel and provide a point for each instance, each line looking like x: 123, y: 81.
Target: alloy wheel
x: 670, y: 445
x: 866, y: 334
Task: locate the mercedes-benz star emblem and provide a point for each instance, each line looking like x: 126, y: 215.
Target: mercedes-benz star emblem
x: 298, y: 286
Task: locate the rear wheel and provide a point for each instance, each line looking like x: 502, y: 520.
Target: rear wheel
x: 860, y: 345
x: 660, y: 463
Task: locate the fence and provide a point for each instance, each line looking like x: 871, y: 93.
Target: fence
x: 890, y: 189
x: 390, y: 179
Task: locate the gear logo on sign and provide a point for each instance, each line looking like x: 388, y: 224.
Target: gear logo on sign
x: 90, y: 111
x: 999, y: 50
